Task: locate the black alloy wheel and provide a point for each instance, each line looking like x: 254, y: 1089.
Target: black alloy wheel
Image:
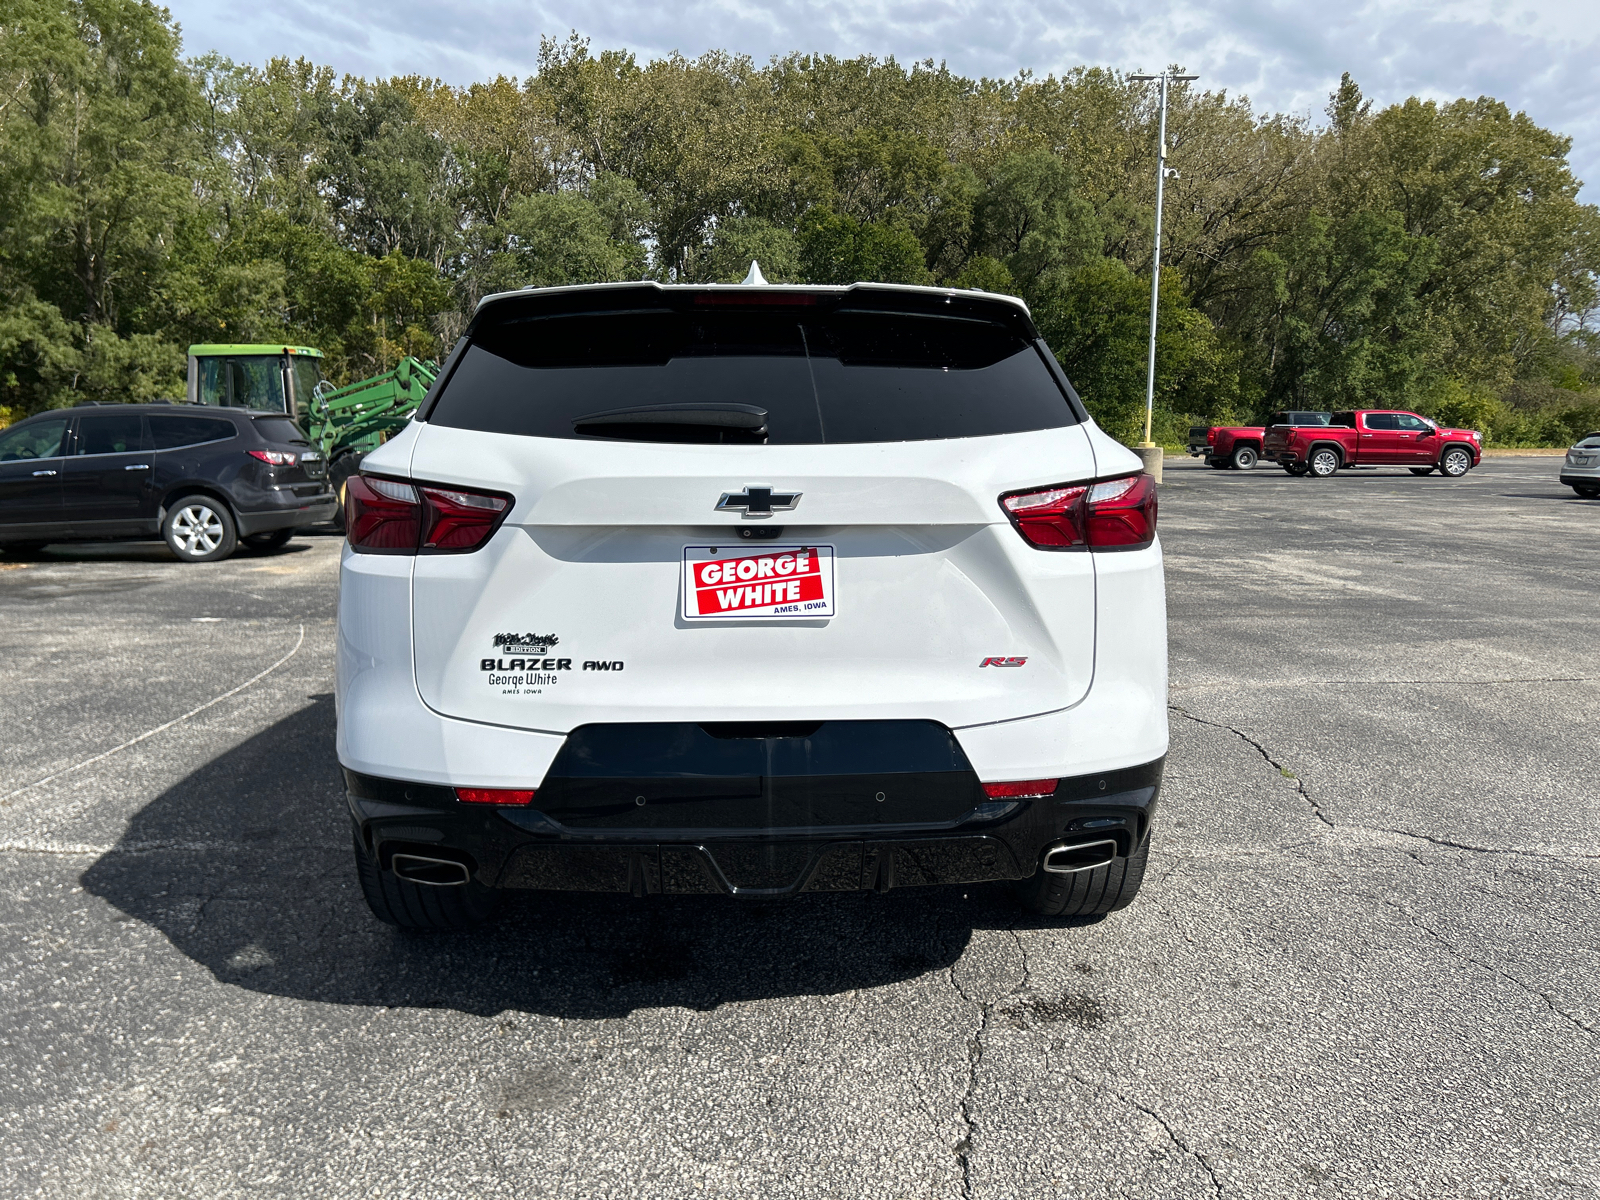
x: 1455, y: 463
x: 1324, y: 462
x: 1244, y: 458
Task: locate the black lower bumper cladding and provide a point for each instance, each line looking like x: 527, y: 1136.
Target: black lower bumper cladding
x: 753, y: 809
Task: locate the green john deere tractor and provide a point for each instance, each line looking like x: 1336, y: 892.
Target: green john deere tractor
x: 344, y: 423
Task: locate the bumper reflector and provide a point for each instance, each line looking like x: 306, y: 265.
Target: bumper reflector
x: 1019, y: 788
x: 517, y: 796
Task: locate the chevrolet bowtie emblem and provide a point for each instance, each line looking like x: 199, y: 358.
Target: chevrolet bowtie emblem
x: 757, y: 501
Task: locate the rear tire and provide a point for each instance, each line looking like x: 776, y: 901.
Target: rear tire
x: 199, y: 529
x: 266, y: 543
x: 1244, y: 458
x: 1086, y: 893
x: 407, y: 905
x: 1324, y: 463
x: 1455, y: 462
x: 1587, y: 491
x: 1421, y: 470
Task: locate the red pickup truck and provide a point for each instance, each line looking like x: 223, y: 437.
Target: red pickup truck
x: 1373, y: 438
x: 1239, y: 446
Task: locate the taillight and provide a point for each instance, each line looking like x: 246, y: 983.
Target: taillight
x: 278, y: 458
x: 1112, y: 514
x: 390, y: 516
x: 382, y: 516
x: 1019, y: 789
x: 518, y: 796
x: 1051, y: 519
x: 459, y: 520
x: 1122, y: 513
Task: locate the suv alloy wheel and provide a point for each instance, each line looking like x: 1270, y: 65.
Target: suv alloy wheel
x: 200, y: 529
x: 1455, y: 463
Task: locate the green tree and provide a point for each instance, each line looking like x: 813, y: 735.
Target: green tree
x: 1031, y: 218
x: 100, y: 135
x: 549, y: 240
x: 836, y: 248
x: 403, y: 295
x: 1429, y: 253
x: 1343, y: 322
x: 1096, y: 319
x: 739, y: 241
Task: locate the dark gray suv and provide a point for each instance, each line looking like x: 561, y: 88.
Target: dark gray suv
x: 205, y: 480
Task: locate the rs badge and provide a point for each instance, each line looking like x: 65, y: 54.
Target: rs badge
x: 1002, y: 662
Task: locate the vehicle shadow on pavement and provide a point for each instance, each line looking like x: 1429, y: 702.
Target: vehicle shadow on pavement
x: 245, y: 867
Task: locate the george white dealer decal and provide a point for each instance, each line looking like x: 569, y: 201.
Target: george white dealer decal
x: 732, y: 583
x: 533, y: 668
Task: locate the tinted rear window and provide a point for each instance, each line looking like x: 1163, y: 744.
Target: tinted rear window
x: 122, y: 434
x: 170, y: 432
x: 279, y: 429
x: 821, y: 376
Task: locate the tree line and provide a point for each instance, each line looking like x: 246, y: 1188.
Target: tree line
x: 1424, y: 255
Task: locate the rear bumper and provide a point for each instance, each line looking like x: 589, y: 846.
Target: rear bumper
x: 1571, y: 475
x: 294, y: 512
x: 524, y: 848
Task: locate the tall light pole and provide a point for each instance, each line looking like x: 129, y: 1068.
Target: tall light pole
x: 1147, y: 450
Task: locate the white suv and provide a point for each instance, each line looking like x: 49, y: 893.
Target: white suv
x: 750, y: 590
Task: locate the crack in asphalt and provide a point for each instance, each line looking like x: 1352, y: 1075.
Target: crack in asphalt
x: 1172, y: 1134
x: 1022, y: 953
x: 986, y: 1010
x: 1418, y: 923
x: 964, y: 1106
x: 1355, y: 827
x: 1299, y: 783
x: 1576, y: 1021
x: 1446, y: 843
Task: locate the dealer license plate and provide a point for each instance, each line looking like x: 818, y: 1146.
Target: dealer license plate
x: 739, y: 583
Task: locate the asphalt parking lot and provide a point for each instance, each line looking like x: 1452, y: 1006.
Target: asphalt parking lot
x: 1366, y: 960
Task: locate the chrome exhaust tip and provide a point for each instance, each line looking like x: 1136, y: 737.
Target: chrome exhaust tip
x: 1067, y: 858
x: 434, y: 872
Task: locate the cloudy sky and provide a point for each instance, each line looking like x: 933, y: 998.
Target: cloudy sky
x: 1536, y: 56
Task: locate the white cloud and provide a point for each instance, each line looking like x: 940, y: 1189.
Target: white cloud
x: 1285, y: 56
